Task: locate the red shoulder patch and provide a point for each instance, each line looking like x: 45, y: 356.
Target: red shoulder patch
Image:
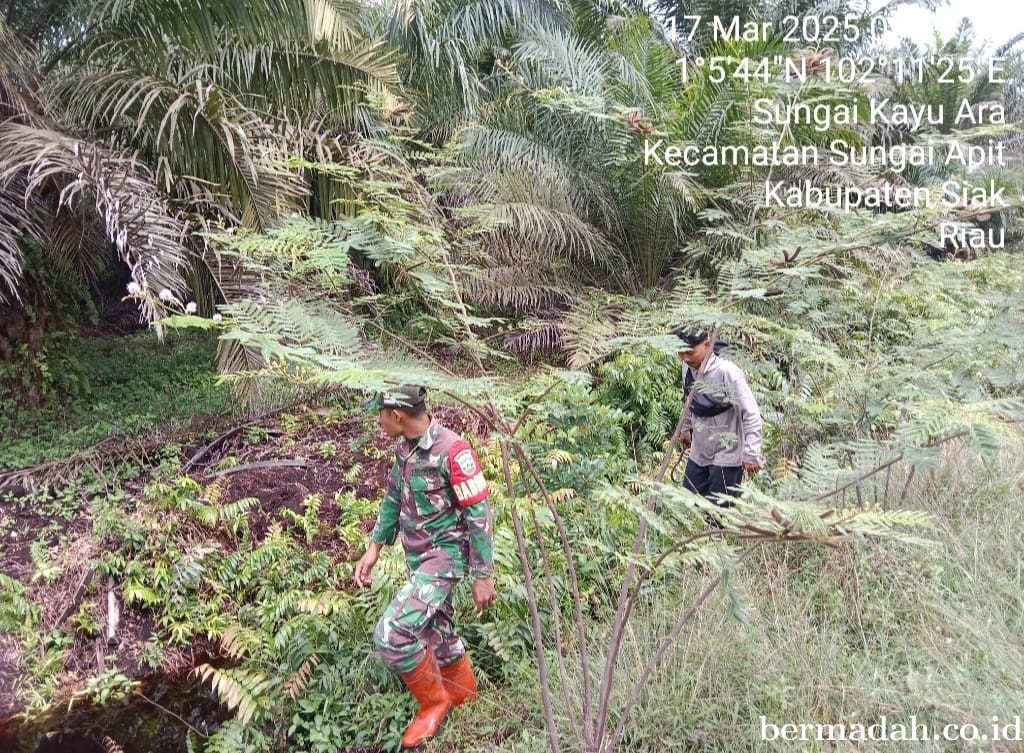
x: 467, y: 479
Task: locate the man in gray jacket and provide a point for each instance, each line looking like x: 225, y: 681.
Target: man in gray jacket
x: 723, y: 427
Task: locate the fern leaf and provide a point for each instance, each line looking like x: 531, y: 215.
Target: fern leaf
x: 237, y: 689
x: 297, y: 680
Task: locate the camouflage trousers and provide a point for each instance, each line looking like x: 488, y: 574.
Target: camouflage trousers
x: 420, y: 615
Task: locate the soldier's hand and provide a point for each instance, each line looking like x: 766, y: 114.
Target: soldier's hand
x: 752, y: 466
x: 364, y: 567
x: 686, y: 438
x: 483, y: 593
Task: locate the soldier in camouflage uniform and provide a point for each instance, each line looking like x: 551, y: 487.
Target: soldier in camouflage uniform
x: 437, y: 498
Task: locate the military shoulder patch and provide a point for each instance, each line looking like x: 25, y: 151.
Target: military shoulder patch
x: 467, y: 479
x: 466, y: 462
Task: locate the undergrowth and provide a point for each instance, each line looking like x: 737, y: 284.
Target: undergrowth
x: 837, y: 636
x: 127, y: 385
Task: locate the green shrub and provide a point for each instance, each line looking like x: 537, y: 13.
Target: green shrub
x: 645, y: 383
x: 134, y: 384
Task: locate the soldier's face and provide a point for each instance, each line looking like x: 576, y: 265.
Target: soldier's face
x: 390, y: 421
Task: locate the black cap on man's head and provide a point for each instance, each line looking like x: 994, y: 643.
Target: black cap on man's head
x: 692, y: 336
x: 410, y: 397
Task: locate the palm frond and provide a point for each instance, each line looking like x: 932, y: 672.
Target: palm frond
x: 559, y: 231
x: 540, y: 336
x: 517, y: 287
x: 146, y: 234
x: 195, y: 129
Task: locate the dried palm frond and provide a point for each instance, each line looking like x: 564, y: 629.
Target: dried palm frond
x: 16, y: 221
x: 145, y: 233
x: 536, y: 337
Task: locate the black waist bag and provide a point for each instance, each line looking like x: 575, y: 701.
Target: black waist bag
x: 704, y: 406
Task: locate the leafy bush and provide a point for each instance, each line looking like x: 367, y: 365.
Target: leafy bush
x: 134, y: 384
x: 645, y: 383
x: 574, y: 438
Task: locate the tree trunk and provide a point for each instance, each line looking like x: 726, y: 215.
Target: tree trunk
x: 22, y: 337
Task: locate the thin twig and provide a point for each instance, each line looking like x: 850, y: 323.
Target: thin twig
x: 906, y: 484
x: 413, y: 347
x: 645, y: 576
x: 531, y: 601
x: 887, y: 464
x: 556, y: 621
x: 440, y: 365
x: 70, y: 45
x: 255, y: 466
x: 167, y: 711
x: 528, y: 409
x: 581, y: 628
x: 666, y: 644
x: 75, y: 596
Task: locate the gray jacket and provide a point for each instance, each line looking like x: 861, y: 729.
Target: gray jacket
x: 733, y: 436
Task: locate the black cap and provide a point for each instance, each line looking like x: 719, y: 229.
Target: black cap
x: 404, y: 396
x: 692, y: 336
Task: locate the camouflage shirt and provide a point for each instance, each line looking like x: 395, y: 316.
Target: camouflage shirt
x: 437, y: 497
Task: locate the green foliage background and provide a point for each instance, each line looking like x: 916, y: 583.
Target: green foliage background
x: 357, y: 195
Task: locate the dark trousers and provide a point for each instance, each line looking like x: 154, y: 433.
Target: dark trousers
x: 709, y: 480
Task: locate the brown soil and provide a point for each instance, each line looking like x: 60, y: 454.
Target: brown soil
x: 355, y: 439
x: 21, y: 526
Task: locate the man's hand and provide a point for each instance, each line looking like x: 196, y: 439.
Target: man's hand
x: 752, y: 466
x: 686, y: 438
x: 483, y: 593
x: 364, y: 567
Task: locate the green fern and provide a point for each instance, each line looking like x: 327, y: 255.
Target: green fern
x: 238, y: 689
x: 16, y: 611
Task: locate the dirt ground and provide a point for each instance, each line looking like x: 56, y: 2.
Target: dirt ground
x: 277, y: 488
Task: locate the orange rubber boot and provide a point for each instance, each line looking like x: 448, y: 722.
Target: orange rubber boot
x: 459, y: 681
x: 435, y: 703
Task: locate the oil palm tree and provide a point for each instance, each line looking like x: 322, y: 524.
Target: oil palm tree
x: 219, y: 95
x: 210, y: 100
x: 551, y: 166
x: 74, y: 197
x: 127, y: 128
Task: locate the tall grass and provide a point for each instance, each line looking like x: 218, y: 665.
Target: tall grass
x: 836, y: 636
